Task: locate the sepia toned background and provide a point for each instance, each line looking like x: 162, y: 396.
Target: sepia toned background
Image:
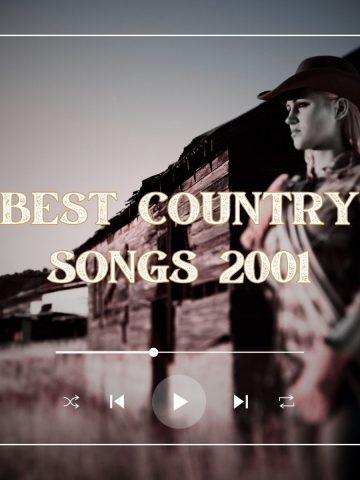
x: 87, y: 114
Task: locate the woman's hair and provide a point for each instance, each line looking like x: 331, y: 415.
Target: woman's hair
x: 350, y: 129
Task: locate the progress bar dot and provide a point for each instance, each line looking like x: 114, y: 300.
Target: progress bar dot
x: 153, y: 352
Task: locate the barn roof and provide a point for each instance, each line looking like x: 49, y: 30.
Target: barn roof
x: 202, y: 149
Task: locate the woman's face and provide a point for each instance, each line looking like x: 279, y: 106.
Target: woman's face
x: 312, y: 121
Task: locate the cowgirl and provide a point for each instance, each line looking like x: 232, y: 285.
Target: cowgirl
x: 321, y: 319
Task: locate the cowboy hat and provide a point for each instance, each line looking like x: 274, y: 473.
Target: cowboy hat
x: 323, y: 73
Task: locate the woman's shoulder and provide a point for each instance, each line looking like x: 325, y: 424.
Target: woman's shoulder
x: 349, y: 177
x: 348, y: 167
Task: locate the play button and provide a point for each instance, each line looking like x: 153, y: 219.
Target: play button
x: 179, y: 401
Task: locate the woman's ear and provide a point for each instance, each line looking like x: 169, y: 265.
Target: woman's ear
x: 341, y: 108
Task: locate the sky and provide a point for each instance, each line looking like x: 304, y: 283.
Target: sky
x: 173, y: 16
x: 101, y: 114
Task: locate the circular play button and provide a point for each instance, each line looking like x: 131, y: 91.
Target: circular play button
x: 179, y: 401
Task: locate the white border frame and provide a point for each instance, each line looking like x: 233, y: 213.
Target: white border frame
x: 62, y: 352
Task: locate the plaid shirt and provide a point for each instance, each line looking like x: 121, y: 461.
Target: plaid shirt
x: 329, y: 307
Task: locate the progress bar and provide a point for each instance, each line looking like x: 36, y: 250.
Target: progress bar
x: 154, y: 352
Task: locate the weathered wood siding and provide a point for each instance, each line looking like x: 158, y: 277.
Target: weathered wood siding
x: 120, y: 314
